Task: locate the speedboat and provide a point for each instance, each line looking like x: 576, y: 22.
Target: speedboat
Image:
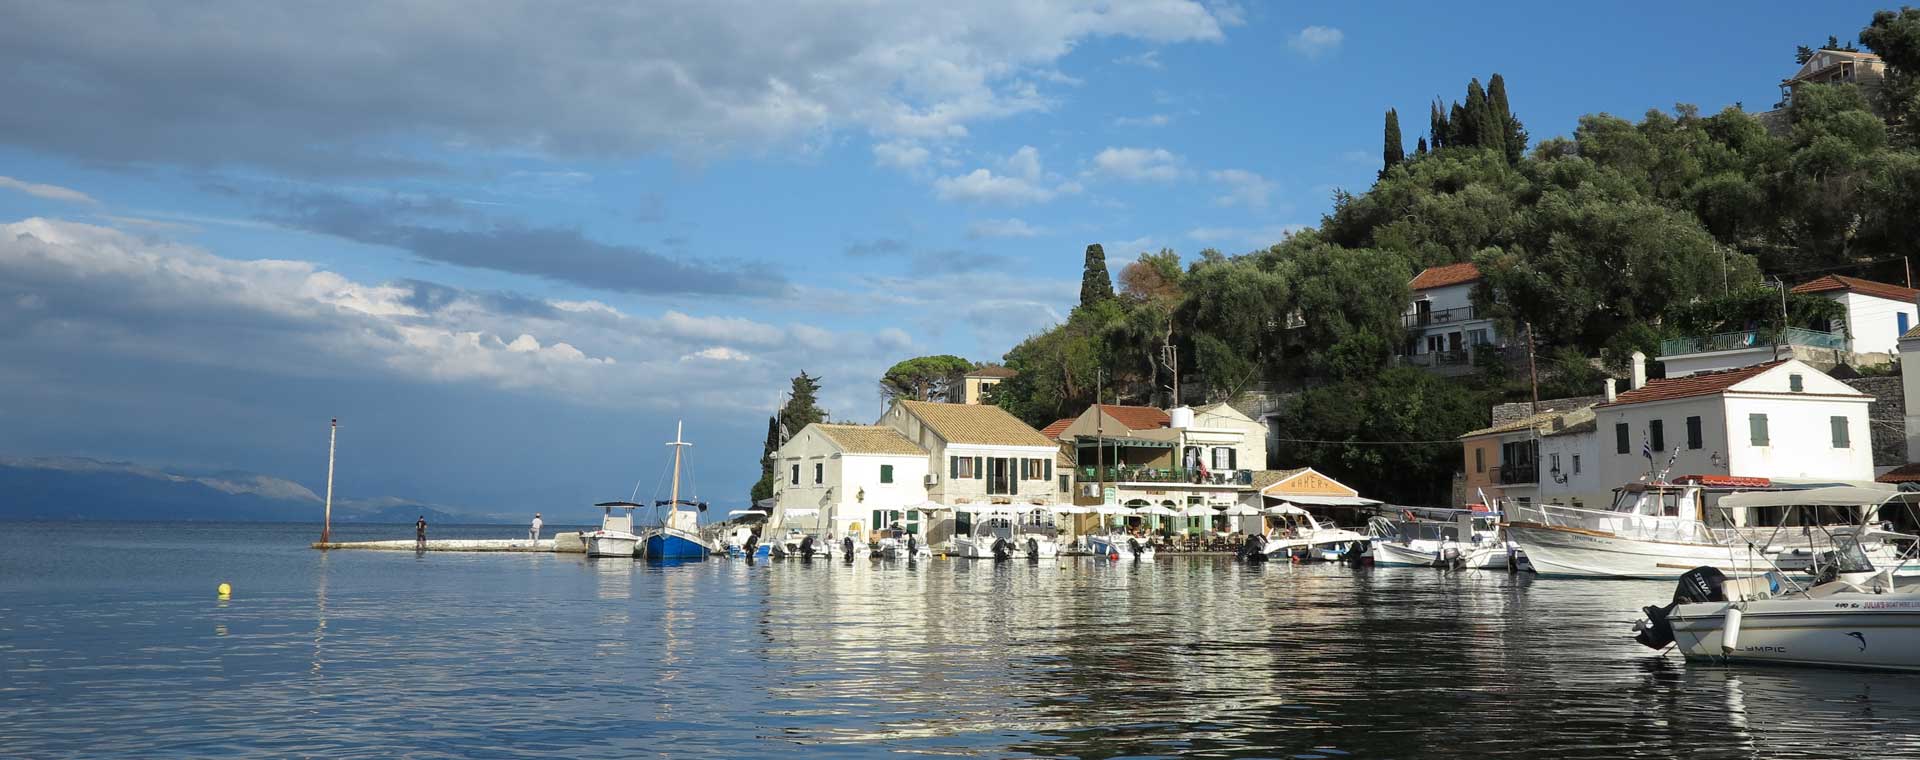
x: 1118, y: 545
x: 678, y: 536
x: 1852, y: 614
x: 1457, y: 538
x: 1034, y: 539
x: 1653, y: 530
x: 900, y: 544
x: 615, y: 538
x: 990, y: 538
x: 1301, y: 535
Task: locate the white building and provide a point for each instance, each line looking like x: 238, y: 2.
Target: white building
x: 977, y: 454
x: 1877, y: 313
x: 1569, y: 463
x: 1781, y: 419
x: 838, y: 480
x: 1443, y: 327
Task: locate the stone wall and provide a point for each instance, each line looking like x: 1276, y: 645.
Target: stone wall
x: 1887, y: 415
x: 1520, y: 410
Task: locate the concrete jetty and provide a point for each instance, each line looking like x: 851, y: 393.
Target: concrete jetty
x: 562, y: 543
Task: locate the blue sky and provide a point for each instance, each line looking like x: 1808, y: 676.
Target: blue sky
x: 510, y: 245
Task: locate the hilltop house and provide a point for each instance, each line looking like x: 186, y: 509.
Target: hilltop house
x: 977, y: 386
x: 1842, y: 67
x: 843, y: 480
x: 1444, y: 329
x: 1875, y: 315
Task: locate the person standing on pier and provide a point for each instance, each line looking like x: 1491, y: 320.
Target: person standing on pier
x: 420, y: 533
x: 533, y: 532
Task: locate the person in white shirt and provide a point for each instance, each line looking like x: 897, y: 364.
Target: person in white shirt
x: 534, y: 532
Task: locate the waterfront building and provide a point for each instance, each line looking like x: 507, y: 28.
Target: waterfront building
x: 849, y: 480
x: 1444, y: 329
x: 977, y: 386
x: 1528, y: 456
x: 1173, y: 459
x: 1311, y: 490
x: 1783, y: 419
x: 976, y: 454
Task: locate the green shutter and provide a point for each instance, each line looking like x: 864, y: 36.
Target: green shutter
x: 1757, y: 426
x: 1620, y: 445
x: 953, y: 467
x: 979, y: 468
x: 1049, y: 467
x: 886, y: 473
x: 1840, y: 440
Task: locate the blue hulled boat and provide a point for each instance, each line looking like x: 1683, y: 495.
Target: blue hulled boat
x: 678, y: 536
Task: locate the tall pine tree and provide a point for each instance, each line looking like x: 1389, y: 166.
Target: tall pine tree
x: 1436, y: 126
x: 1096, y: 284
x: 763, y: 487
x: 1395, y: 150
x: 1472, y: 133
x: 1456, y: 126
x: 1421, y: 148
x: 1513, y: 137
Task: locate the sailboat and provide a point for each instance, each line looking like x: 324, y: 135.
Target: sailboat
x: 677, y: 537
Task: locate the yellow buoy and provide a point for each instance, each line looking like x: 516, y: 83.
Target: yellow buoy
x: 226, y: 590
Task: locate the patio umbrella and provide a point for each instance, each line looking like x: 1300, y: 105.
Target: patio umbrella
x: 1199, y: 510
x: 1156, y: 509
x: 1240, y: 510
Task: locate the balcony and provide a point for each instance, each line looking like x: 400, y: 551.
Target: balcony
x: 1519, y: 473
x: 1737, y: 341
x: 1174, y: 476
x: 1439, y: 317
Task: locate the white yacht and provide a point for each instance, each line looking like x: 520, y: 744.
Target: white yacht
x: 1654, y: 530
x: 1298, y: 533
x: 1852, y: 615
x: 615, y: 538
x: 1440, y: 538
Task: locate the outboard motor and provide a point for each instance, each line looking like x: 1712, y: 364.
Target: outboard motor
x: 1254, y: 549
x: 1002, y: 550
x: 846, y: 547
x: 1133, y: 545
x: 1450, y: 558
x: 1701, y: 584
x: 1033, y: 549
x: 753, y: 542
x: 806, y: 548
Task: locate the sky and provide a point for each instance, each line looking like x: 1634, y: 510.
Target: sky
x: 511, y: 244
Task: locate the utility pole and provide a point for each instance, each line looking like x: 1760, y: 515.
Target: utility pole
x: 1100, y: 434
x: 1532, y: 371
x: 326, y: 525
x: 1780, y: 336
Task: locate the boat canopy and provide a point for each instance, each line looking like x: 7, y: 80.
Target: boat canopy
x: 1829, y: 496
x: 746, y: 513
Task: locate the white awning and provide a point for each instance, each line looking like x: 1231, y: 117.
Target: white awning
x: 1325, y: 501
x: 1158, y: 510
x: 1831, y: 496
x: 1112, y: 509
x: 986, y: 509
x: 1199, y: 510
x: 801, y: 513
x: 741, y: 512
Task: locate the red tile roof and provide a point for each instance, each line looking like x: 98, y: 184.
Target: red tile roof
x: 1906, y: 473
x: 1834, y: 282
x: 1137, y: 417
x: 1701, y: 384
x: 1440, y: 277
x: 1054, y: 430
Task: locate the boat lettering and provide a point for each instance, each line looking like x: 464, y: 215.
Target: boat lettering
x: 1766, y: 649
x: 1887, y: 605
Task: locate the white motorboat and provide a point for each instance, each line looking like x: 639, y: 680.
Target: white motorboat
x: 1438, y: 538
x: 1035, y: 536
x: 1298, y: 533
x: 1653, y: 530
x: 900, y: 544
x: 1118, y: 545
x: 1851, y: 615
x: 615, y: 538
x: 991, y: 537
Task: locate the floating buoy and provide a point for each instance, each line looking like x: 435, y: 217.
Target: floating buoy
x: 1730, y: 631
x: 225, y: 591
x: 1113, y: 556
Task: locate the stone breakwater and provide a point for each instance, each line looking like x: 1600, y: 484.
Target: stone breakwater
x: 563, y: 543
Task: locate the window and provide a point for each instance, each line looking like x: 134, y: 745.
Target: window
x: 963, y: 467
x: 1658, y: 430
x: 1796, y: 383
x: 1694, y: 439
x: 1436, y: 344
x: 1479, y: 460
x: 1223, y: 458
x: 1555, y: 460
x: 819, y: 473
x: 913, y: 521
x: 1478, y: 337
x: 1757, y: 428
x: 1620, y: 444
x: 1840, y: 440
x: 886, y: 473
x: 1065, y: 485
x: 1904, y: 320
x: 795, y: 478
x: 962, y: 524
x: 1002, y: 476
x: 1576, y: 467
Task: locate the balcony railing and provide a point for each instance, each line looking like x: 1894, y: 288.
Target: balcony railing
x: 1519, y: 473
x: 1439, y: 317
x: 1164, y: 475
x: 1735, y: 341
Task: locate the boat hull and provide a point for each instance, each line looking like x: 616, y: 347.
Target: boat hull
x: 1574, y: 553
x: 1873, y: 631
x: 668, y: 543
x: 1109, y: 546
x: 611, y: 544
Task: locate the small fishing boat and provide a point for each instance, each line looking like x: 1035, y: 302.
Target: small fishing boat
x: 744, y: 539
x: 615, y: 538
x: 678, y: 536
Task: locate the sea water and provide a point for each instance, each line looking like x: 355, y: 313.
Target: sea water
x: 113, y: 644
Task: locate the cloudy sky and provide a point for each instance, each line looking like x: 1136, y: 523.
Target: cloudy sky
x: 508, y: 244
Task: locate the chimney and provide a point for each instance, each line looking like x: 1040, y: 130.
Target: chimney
x: 1609, y: 390
x: 1639, y: 369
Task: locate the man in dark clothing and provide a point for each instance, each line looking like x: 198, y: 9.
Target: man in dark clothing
x: 420, y: 533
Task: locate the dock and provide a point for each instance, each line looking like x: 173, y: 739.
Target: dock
x: 563, y: 543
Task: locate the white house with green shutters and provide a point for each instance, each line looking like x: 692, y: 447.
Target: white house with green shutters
x: 977, y: 455
x: 839, y: 480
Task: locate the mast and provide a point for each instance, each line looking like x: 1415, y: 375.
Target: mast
x: 673, y: 506
x: 326, y: 526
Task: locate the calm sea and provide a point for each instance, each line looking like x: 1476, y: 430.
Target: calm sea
x: 112, y: 644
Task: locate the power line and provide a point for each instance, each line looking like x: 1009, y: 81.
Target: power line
x: 1367, y: 443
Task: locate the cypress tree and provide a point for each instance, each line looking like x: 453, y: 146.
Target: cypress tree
x: 1473, y: 133
x: 1436, y: 126
x: 1096, y: 284
x: 1456, y: 126
x: 1395, y: 150
x: 1420, y: 149
x: 1513, y: 137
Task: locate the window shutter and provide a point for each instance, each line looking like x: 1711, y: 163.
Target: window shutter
x: 1694, y: 439
x: 979, y: 468
x: 1233, y: 459
x: 953, y: 468
x: 1620, y: 445
x: 1757, y: 426
x: 1658, y: 428
x: 1013, y: 483
x: 1049, y: 469
x: 1840, y: 433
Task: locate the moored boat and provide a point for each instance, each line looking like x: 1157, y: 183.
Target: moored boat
x: 1653, y: 530
x: 678, y: 536
x: 615, y: 538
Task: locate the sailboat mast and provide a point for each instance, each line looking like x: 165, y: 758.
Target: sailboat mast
x: 673, y: 505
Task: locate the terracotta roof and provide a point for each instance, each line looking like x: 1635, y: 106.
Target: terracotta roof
x: 1701, y: 384
x: 1906, y: 473
x: 976, y: 424
x: 1262, y: 479
x: 870, y: 439
x: 1913, y: 333
x: 1440, y: 277
x: 1834, y: 282
x: 1516, y: 425
x: 992, y: 370
x: 1137, y: 417
x: 1054, y: 430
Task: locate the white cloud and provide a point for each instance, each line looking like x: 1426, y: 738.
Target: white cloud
x: 1244, y: 188
x: 1003, y: 228
x: 1022, y: 180
x: 49, y: 192
x: 1315, y: 41
x: 586, y: 80
x: 718, y: 354
x: 1127, y: 248
x: 1138, y: 164
x: 1150, y: 120
x: 905, y: 155
x: 1147, y: 60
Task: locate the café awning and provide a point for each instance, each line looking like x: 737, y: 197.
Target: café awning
x: 1141, y: 443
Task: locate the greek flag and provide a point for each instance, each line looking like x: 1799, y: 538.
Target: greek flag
x: 1646, y: 449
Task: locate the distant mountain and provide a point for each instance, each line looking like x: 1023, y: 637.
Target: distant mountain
x: 74, y: 488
